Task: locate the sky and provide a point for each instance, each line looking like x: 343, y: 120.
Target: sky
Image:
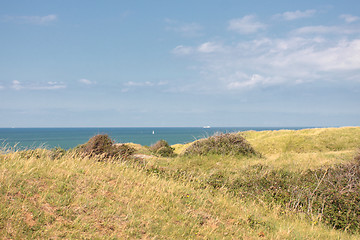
x: 87, y: 63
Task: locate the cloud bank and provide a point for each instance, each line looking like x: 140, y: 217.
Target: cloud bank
x: 289, y: 16
x: 86, y: 81
x: 349, y: 18
x: 51, y: 85
x: 246, y: 25
x: 302, y: 55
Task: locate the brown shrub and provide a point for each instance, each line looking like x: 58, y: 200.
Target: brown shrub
x: 333, y: 194
x: 357, y: 157
x: 162, y: 148
x: 224, y: 144
x: 103, y: 146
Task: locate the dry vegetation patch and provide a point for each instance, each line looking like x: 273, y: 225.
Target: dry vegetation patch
x: 162, y: 148
x: 223, y: 144
x: 103, y: 147
x: 64, y: 194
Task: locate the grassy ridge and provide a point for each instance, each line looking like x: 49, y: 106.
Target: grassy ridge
x: 306, y: 140
x: 186, y: 197
x: 308, y: 148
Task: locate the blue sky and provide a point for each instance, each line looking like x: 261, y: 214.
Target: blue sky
x: 179, y: 63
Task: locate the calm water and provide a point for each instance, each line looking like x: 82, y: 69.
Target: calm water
x: 71, y: 137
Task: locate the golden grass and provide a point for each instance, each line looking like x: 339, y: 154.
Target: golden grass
x: 306, y: 140
x: 180, y: 148
x: 75, y: 197
x: 81, y: 198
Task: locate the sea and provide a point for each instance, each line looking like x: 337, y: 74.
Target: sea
x: 67, y: 138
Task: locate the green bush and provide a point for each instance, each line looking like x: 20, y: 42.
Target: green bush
x: 224, y: 144
x: 162, y: 148
x: 103, y: 147
x: 331, y: 194
x: 341, y: 195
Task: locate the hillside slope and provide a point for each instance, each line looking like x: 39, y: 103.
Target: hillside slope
x: 185, y: 197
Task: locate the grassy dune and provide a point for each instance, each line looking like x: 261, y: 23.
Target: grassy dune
x: 308, y: 148
x: 44, y: 196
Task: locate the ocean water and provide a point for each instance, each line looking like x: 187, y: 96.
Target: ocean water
x: 30, y: 138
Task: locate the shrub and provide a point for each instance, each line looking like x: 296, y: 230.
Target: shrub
x: 162, y: 148
x: 332, y: 194
x: 357, y: 157
x: 103, y: 147
x: 57, y: 153
x: 124, y: 150
x: 341, y: 195
x: 225, y: 144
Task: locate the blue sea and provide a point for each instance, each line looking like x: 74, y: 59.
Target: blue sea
x: 30, y: 138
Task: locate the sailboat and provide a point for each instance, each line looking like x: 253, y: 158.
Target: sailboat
x: 153, y: 132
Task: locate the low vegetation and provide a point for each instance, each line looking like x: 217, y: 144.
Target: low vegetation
x: 290, y: 185
x: 163, y: 149
x: 103, y: 148
x: 331, y: 195
x: 224, y: 144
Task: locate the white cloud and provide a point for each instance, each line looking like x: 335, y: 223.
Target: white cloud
x: 36, y: 20
x: 17, y: 85
x: 316, y: 29
x: 86, y: 81
x: 144, y: 84
x: 270, y: 61
x: 349, y: 18
x: 139, y: 84
x: 308, y: 56
x: 334, y: 30
x: 245, y: 81
x: 162, y: 83
x: 182, y: 50
x: 296, y: 15
x: 48, y: 86
x: 1, y: 87
x: 344, y: 56
x: 209, y: 47
x: 246, y: 25
x: 303, y: 55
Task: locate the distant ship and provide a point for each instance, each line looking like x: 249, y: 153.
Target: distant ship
x: 206, y: 127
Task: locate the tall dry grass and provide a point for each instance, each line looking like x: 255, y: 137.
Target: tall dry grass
x: 45, y: 195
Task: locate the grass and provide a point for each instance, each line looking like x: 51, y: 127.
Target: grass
x: 184, y: 197
x: 304, y: 141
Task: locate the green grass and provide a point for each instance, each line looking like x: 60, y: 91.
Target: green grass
x: 184, y: 197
